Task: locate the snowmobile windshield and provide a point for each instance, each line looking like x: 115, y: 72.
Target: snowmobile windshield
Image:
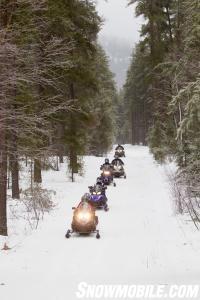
x: 117, y: 162
x: 97, y: 190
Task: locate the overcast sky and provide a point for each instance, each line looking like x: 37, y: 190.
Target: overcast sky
x: 120, y: 20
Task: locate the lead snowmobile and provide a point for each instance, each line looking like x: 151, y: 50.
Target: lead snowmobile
x: 119, y: 151
x: 84, y: 219
x: 98, y: 197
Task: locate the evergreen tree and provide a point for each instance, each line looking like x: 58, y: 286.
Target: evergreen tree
x: 55, y: 87
x: 165, y: 72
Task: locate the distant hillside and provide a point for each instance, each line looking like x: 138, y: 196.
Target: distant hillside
x: 119, y: 52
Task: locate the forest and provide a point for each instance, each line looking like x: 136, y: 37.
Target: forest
x: 99, y: 149
x: 56, y: 89
x: 161, y: 97
x: 58, y: 97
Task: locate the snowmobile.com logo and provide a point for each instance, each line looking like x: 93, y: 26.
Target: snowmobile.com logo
x: 89, y: 291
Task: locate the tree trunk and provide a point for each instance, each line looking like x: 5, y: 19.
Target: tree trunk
x: 73, y: 151
x: 6, y: 8
x: 14, y: 165
x: 37, y: 171
x: 60, y: 131
x: 169, y: 23
x: 61, y: 159
x: 3, y: 182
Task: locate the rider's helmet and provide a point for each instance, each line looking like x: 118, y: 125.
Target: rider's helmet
x: 106, y: 161
x: 85, y: 197
x: 98, y: 187
x: 99, y: 180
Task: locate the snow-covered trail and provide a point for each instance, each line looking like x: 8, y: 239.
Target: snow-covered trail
x: 141, y: 239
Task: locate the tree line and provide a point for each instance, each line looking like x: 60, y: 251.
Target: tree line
x: 161, y: 96
x: 57, y: 94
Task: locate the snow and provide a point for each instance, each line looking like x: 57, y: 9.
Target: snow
x: 142, y: 240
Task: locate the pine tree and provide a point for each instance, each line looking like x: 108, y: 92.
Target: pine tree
x: 170, y: 57
x: 55, y: 88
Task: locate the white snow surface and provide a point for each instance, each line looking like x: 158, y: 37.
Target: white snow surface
x: 142, y: 240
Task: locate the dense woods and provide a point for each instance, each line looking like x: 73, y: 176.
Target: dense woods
x: 58, y: 97
x: 162, y: 91
x: 56, y: 89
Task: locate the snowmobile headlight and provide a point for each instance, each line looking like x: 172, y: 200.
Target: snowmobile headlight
x: 107, y: 172
x: 84, y: 216
x: 94, y: 193
x: 98, y: 193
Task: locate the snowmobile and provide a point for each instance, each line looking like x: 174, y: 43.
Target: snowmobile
x: 98, y: 197
x: 118, y: 169
x: 84, y: 220
x: 107, y: 175
x: 119, y: 153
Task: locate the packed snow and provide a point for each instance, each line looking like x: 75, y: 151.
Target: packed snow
x: 142, y: 240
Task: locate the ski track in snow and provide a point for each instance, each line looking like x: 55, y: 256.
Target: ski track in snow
x: 142, y: 241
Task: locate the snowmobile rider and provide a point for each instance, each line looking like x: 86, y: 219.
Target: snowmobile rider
x: 99, y: 185
x: 119, y: 147
x: 107, y: 164
x: 85, y: 199
x: 85, y: 204
x: 100, y: 181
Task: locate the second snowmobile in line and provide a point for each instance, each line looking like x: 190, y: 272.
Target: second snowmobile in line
x: 98, y: 197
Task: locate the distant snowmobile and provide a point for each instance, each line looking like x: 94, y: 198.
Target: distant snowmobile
x: 84, y: 220
x: 119, y: 151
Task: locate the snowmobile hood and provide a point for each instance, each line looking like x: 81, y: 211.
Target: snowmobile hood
x: 96, y: 198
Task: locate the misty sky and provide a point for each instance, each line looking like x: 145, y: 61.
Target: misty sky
x: 120, y: 20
